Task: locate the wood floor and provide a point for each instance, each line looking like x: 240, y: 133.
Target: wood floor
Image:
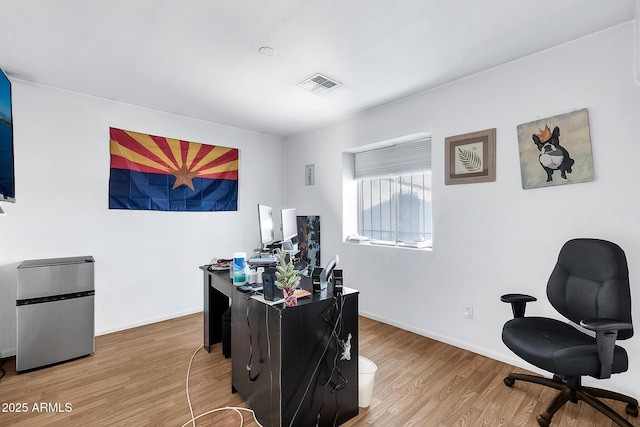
x: 137, y: 378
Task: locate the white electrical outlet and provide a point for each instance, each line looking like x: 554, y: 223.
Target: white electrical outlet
x: 467, y: 312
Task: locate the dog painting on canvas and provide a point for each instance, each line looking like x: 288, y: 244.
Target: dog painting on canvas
x: 542, y: 160
x: 553, y: 156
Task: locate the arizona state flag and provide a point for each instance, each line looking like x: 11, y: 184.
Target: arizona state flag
x: 155, y: 173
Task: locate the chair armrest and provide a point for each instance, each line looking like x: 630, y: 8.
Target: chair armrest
x: 518, y: 302
x: 597, y: 325
x: 606, y: 334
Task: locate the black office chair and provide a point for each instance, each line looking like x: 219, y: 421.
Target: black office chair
x: 589, y: 286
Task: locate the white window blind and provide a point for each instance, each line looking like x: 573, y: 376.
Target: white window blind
x: 400, y: 159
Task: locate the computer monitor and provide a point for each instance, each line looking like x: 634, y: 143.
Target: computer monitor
x: 265, y: 221
x: 289, y: 222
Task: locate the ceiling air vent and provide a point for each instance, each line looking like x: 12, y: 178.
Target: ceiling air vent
x: 318, y: 84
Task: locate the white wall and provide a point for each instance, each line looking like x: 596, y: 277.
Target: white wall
x: 490, y: 238
x: 146, y: 262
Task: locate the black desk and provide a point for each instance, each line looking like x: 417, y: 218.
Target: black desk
x: 295, y: 367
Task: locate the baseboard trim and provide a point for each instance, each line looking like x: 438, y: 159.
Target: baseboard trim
x: 10, y: 352
x: 513, y: 361
x: 148, y: 321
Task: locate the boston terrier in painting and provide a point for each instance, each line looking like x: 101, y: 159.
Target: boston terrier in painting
x: 552, y: 155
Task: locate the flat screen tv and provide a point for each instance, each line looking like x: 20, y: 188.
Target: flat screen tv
x: 7, y: 176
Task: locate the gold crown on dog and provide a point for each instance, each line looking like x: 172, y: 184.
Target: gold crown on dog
x: 544, y: 134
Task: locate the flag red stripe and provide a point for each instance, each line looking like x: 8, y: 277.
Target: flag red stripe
x: 228, y: 157
x: 204, y: 150
x: 163, y: 145
x: 118, y: 162
x: 127, y: 141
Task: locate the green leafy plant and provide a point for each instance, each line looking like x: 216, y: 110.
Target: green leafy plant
x: 286, y: 274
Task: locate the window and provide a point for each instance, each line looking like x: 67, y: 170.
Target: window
x: 394, y: 193
x: 395, y: 209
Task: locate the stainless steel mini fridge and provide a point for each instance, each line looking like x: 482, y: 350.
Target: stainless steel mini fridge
x: 54, y: 311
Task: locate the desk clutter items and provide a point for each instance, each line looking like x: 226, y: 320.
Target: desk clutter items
x: 269, y: 284
x: 240, y: 268
x: 219, y: 264
x: 264, y: 261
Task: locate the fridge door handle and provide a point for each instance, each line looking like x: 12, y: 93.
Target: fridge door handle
x: 72, y: 295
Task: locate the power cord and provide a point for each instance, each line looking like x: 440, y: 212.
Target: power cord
x: 341, y: 381
x: 226, y: 408
x: 335, y: 333
x: 250, y: 364
x: 2, y: 371
x: 320, y: 359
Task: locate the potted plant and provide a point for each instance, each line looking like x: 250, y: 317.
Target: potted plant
x: 287, y: 278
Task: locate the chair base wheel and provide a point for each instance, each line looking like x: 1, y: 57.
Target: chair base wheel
x: 542, y: 421
x: 570, y: 390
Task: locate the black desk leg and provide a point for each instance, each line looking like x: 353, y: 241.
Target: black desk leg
x: 207, y: 314
x: 215, y: 305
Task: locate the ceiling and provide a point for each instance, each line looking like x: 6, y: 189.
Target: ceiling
x: 199, y: 58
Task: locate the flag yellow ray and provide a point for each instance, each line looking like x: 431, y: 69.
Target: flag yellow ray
x: 132, y: 156
x: 213, y: 155
x: 147, y: 142
x: 230, y: 166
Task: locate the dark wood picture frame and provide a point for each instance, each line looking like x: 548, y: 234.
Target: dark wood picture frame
x: 470, y: 157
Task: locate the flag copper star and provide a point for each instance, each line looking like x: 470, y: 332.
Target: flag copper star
x: 184, y: 176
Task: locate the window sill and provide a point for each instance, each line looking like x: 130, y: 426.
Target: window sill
x: 427, y: 245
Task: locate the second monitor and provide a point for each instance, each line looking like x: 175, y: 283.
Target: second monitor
x: 289, y: 223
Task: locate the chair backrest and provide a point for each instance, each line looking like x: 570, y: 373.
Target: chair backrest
x: 591, y: 280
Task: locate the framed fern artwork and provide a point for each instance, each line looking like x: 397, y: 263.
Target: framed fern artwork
x: 470, y: 157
